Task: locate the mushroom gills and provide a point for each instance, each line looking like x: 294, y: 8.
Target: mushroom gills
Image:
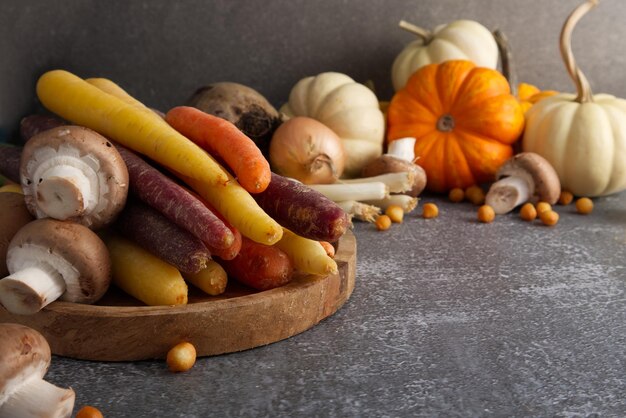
x: 508, y: 193
x: 36, y: 398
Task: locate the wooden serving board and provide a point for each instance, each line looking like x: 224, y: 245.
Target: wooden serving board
x: 118, y: 328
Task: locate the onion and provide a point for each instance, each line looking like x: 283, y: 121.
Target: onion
x: 307, y: 150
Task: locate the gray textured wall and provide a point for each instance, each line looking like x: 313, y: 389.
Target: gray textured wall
x: 162, y: 50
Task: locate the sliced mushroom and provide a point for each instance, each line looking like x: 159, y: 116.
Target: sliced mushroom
x: 50, y: 259
x: 399, y: 158
x: 26, y: 356
x: 73, y: 173
x: 526, y: 177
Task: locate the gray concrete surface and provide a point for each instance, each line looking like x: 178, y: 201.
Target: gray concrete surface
x: 449, y: 318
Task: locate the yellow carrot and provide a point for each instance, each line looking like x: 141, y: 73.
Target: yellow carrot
x: 143, y: 275
x: 212, y: 279
x: 76, y: 100
x: 307, y: 255
x: 113, y: 89
x: 236, y: 205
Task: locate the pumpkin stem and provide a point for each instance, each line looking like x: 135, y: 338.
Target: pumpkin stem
x: 582, y: 84
x: 445, y: 123
x: 425, y: 34
x: 506, y: 60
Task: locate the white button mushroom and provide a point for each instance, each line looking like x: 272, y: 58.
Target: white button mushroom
x: 50, y: 259
x: 526, y: 177
x: 24, y: 360
x: 73, y: 173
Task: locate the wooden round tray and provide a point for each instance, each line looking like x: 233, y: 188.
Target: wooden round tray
x: 119, y: 329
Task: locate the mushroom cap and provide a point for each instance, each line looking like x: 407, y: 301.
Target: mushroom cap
x: 543, y: 180
x: 77, y: 244
x: 99, y: 152
x: 24, y: 353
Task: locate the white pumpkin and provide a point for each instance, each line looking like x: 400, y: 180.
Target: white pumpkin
x: 461, y: 39
x: 583, y: 136
x: 349, y: 108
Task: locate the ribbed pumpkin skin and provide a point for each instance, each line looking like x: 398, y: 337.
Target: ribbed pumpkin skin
x: 585, y: 143
x: 487, y: 120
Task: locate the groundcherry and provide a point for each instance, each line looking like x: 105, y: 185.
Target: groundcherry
x: 383, y: 222
x: 89, y: 412
x: 475, y: 194
x: 430, y: 211
x: 486, y: 214
x: 549, y: 217
x: 456, y: 195
x: 566, y: 198
x: 584, y: 205
x: 181, y: 357
x: 528, y: 212
x: 542, y: 207
x: 395, y: 213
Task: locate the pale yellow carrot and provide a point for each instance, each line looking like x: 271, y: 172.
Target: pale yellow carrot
x: 212, y: 279
x: 143, y: 275
x: 235, y: 204
x: 114, y: 89
x: 307, y: 256
x: 76, y: 100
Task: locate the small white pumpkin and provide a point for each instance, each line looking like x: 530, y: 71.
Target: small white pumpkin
x: 461, y: 39
x: 349, y: 108
x: 582, y: 136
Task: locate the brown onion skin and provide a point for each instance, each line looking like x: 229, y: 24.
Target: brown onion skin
x: 308, y: 151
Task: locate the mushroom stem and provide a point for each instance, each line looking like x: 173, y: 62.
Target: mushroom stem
x: 506, y: 194
x: 27, y: 291
x: 403, y: 148
x: 64, y: 191
x: 38, y: 398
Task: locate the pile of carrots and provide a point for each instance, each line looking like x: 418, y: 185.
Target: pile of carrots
x: 203, y: 204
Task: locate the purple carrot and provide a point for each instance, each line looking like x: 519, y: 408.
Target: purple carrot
x: 175, y: 202
x: 31, y: 125
x: 10, y: 162
x: 303, y: 210
x: 157, y: 234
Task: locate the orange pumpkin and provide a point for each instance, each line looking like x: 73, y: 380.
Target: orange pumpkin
x: 464, y: 120
x: 529, y: 94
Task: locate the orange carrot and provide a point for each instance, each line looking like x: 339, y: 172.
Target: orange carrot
x: 224, y: 140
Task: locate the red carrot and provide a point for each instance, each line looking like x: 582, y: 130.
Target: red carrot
x: 223, y: 140
x: 232, y: 250
x: 303, y: 210
x: 154, y: 232
x: 175, y: 202
x: 259, y: 266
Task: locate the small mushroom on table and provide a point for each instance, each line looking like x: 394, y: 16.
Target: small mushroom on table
x: 73, y: 173
x: 24, y: 360
x: 50, y: 259
x: 526, y: 177
x: 400, y: 157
